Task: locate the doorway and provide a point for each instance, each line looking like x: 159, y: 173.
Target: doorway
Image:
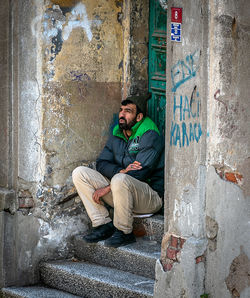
x: 157, y: 64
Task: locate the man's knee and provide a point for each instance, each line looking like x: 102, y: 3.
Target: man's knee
x: 119, y: 180
x: 78, y: 173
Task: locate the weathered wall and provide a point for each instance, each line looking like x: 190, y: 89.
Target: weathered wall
x: 206, y: 245
x: 81, y: 90
x: 180, y: 274
x: 228, y: 192
x: 66, y: 66
x: 69, y: 57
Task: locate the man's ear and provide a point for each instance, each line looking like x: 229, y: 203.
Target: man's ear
x: 139, y: 117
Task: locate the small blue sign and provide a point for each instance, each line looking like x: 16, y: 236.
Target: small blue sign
x: 176, y: 32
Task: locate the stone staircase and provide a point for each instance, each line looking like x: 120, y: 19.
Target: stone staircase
x: 99, y: 271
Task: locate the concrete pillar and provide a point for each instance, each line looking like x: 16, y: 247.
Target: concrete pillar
x: 181, y: 272
x: 8, y: 139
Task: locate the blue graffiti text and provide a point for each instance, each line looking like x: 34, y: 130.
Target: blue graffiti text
x: 184, y: 70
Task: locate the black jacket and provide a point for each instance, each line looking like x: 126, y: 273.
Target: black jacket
x: 145, y: 145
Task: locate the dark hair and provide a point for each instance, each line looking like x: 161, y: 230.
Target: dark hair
x: 129, y: 101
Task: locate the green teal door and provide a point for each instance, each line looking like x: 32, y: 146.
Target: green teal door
x: 157, y: 64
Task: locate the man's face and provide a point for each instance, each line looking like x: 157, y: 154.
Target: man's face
x: 127, y: 116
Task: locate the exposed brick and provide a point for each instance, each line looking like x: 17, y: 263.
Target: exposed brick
x: 233, y: 177
x: 199, y: 259
x: 171, y: 253
x: 26, y: 202
x: 167, y: 266
x: 174, y: 241
x: 24, y: 193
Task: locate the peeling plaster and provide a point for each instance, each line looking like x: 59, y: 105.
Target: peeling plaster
x: 229, y: 210
x: 239, y: 276
x: 56, y: 234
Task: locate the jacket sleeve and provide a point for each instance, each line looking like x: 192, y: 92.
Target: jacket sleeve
x: 105, y: 163
x: 150, y: 148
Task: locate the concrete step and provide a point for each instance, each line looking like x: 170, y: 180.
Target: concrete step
x: 138, y: 258
x: 151, y: 227
x: 33, y: 292
x: 90, y: 280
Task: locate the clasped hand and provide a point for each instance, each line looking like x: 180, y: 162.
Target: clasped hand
x: 135, y: 166
x: 99, y: 193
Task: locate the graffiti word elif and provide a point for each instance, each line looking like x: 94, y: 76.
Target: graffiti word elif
x: 184, y: 70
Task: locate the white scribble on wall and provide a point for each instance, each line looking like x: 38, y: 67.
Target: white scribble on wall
x: 55, y: 22
x: 78, y: 18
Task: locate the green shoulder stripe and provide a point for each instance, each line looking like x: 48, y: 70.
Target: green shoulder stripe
x: 145, y: 125
x: 138, y: 129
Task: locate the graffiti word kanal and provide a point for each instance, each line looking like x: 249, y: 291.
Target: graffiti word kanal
x: 183, y: 133
x: 184, y: 70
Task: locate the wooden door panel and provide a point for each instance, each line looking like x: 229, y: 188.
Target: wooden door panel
x: 157, y: 64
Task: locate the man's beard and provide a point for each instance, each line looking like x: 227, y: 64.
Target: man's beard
x: 127, y: 126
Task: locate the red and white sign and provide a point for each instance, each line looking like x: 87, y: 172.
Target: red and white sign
x: 176, y: 15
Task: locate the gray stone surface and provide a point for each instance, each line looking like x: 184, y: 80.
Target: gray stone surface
x: 138, y: 258
x: 33, y: 292
x: 153, y: 226
x: 232, y: 216
x: 4, y: 94
x: 91, y: 280
x: 8, y: 258
x: 7, y: 200
x: 29, y: 156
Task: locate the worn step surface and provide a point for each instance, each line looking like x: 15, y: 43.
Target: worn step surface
x: 138, y: 258
x: 152, y: 227
x: 33, y: 292
x: 90, y: 280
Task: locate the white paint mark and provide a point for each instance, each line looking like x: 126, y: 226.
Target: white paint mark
x: 34, y: 23
x: 78, y: 18
x: 49, y: 32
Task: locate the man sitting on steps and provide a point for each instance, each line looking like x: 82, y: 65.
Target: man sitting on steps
x: 129, y: 177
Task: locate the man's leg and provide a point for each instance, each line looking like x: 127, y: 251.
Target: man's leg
x: 86, y: 181
x: 130, y: 195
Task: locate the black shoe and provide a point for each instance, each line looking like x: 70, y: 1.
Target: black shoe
x: 100, y: 233
x: 120, y: 239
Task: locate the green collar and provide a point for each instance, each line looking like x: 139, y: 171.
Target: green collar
x: 137, y: 130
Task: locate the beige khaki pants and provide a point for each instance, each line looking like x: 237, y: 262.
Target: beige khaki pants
x: 127, y: 195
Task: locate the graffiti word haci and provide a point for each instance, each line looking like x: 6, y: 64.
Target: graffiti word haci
x: 183, y: 132
x: 184, y: 70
